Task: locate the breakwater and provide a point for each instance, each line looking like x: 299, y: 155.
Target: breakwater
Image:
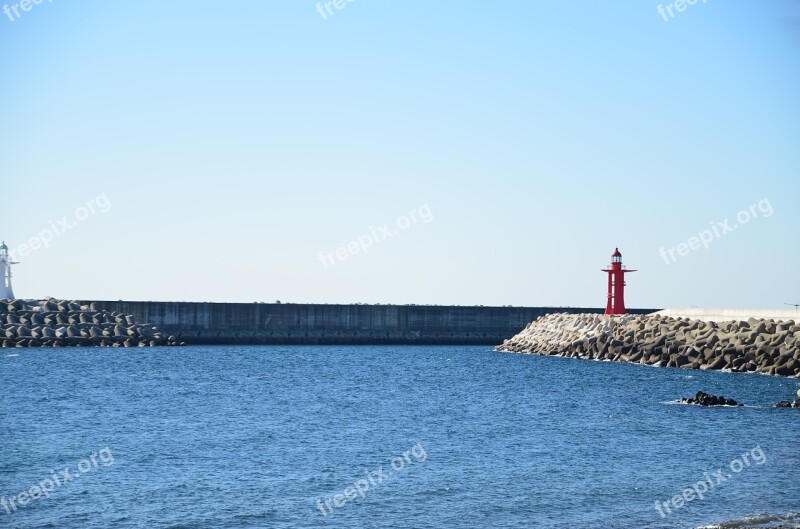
x: 760, y: 345
x: 59, y: 323
x: 288, y: 323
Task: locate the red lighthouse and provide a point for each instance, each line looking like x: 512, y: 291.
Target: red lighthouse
x: 616, y: 284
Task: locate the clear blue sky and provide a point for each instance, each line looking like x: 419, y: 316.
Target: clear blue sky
x: 236, y: 141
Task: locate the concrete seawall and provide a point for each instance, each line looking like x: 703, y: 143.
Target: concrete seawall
x: 272, y: 323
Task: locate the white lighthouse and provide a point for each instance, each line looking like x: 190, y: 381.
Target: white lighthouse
x: 6, y: 292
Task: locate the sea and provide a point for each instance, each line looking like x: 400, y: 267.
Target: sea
x: 385, y: 436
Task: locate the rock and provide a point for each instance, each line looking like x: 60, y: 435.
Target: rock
x: 718, y: 363
x: 704, y: 399
x: 758, y: 345
x: 53, y: 323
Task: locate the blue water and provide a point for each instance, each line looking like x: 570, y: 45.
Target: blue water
x: 239, y: 437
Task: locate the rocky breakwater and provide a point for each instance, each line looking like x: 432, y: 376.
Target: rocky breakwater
x: 57, y: 323
x: 761, y: 346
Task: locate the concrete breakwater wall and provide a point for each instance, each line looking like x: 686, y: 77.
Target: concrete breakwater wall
x: 760, y: 345
x: 59, y: 323
x: 287, y: 323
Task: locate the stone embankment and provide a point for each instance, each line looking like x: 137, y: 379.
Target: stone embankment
x: 757, y: 345
x: 57, y: 323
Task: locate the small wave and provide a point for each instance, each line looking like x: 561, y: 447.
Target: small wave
x: 11, y: 356
x: 442, y: 490
x: 761, y: 521
x: 264, y: 515
x: 678, y: 401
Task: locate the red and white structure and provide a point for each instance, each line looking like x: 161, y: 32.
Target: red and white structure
x: 616, y: 284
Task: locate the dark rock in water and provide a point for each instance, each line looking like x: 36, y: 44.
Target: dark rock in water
x: 788, y: 404
x: 704, y: 399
